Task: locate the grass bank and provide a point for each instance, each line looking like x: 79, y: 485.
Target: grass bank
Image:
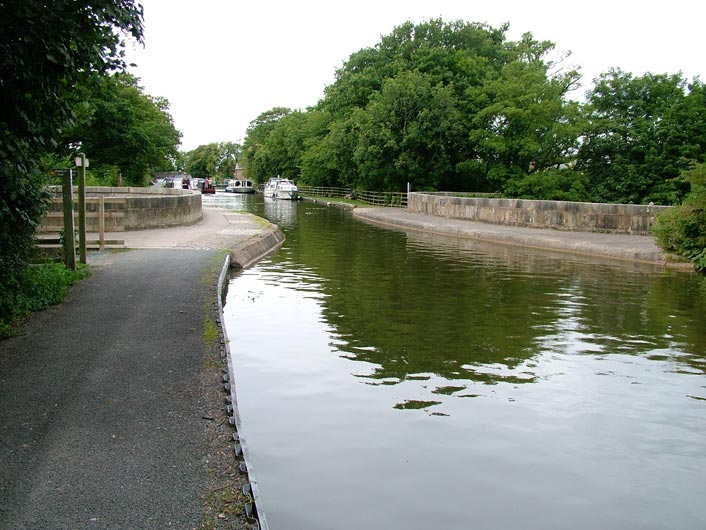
x: 37, y: 287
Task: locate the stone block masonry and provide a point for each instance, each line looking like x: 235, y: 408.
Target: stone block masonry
x: 131, y: 208
x: 636, y: 219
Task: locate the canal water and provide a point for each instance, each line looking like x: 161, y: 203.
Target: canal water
x: 402, y: 381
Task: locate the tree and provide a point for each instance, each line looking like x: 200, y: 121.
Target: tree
x: 404, y: 135
x: 229, y: 157
x: 203, y: 161
x: 526, y: 125
x: 641, y: 133
x: 450, y: 61
x: 215, y: 160
x: 258, y: 161
x: 438, y: 105
x: 44, y: 52
x: 456, y: 106
x: 286, y: 144
x: 327, y: 159
x: 123, y: 128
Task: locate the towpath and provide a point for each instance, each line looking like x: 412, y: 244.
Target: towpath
x: 618, y: 246
x: 112, y: 411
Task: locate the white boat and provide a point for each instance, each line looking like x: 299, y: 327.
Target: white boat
x: 286, y: 189
x: 271, y: 187
x: 240, y: 186
x: 279, y: 188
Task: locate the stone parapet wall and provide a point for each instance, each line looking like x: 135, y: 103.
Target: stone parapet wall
x: 561, y: 215
x: 131, y: 208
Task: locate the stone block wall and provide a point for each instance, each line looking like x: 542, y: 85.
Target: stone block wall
x: 131, y: 208
x: 562, y: 215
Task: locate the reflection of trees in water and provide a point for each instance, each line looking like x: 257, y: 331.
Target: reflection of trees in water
x: 411, y: 304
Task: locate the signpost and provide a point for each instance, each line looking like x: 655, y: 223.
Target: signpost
x: 66, y: 175
x: 82, y: 163
x: 68, y: 206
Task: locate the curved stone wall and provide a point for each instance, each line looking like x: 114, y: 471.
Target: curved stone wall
x: 134, y: 208
x: 562, y: 215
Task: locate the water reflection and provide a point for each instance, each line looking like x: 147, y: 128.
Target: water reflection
x: 282, y: 213
x: 230, y: 201
x: 484, y: 317
x: 428, y: 304
x: 550, y: 383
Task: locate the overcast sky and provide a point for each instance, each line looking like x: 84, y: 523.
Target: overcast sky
x: 221, y: 63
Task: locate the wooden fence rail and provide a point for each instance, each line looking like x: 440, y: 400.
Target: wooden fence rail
x: 49, y: 232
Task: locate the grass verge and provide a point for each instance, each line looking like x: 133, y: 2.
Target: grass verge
x: 37, y: 287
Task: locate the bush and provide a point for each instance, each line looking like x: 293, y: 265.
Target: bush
x: 682, y: 230
x: 37, y: 287
x: 23, y: 201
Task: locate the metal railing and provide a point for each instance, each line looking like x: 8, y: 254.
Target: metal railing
x: 376, y: 198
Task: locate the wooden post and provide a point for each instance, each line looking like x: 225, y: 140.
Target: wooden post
x: 101, y: 222
x: 81, y: 162
x: 69, y: 243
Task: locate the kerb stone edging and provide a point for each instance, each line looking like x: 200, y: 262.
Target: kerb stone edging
x: 255, y: 248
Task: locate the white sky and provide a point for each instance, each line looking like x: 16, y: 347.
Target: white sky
x: 221, y: 63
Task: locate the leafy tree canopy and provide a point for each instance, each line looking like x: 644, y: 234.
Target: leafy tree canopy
x: 456, y: 106
x: 215, y: 160
x: 45, y: 51
x: 640, y: 134
x: 440, y: 105
x: 123, y: 130
x: 258, y: 162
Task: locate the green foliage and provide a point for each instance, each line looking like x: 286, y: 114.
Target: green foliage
x: 46, y: 50
x: 328, y: 156
x: 285, y: 144
x: 258, y: 161
x: 203, y: 161
x: 103, y: 175
x: 407, y: 105
x: 682, y: 230
x: 230, y: 153
x: 215, y: 160
x: 526, y: 124
x: 404, y: 132
x: 455, y: 106
x: 438, y: 105
x: 641, y: 133
x: 37, y: 287
x: 122, y: 128
x: 550, y: 185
